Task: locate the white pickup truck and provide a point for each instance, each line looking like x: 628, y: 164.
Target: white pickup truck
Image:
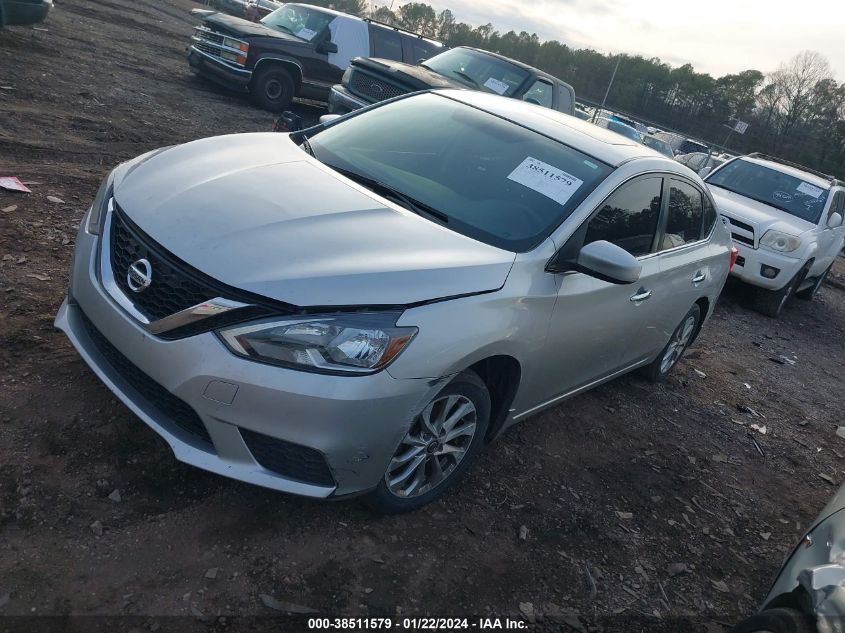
x: 786, y: 222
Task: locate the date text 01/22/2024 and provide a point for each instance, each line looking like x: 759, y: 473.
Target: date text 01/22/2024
x: 417, y: 624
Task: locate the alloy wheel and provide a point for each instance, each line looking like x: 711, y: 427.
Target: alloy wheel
x: 679, y: 342
x: 435, y: 444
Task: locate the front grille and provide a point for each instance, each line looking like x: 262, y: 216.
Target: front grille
x: 216, y: 44
x: 175, y: 285
x: 292, y: 461
x: 371, y: 88
x: 740, y: 231
x: 741, y: 225
x: 174, y: 409
x: 743, y: 239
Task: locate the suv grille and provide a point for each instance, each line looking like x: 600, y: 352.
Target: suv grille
x: 741, y: 232
x: 176, y: 410
x: 371, y: 88
x: 289, y: 460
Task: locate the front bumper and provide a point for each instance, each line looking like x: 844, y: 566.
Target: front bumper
x: 20, y: 12
x: 354, y: 422
x: 751, y: 260
x: 341, y: 101
x: 218, y: 70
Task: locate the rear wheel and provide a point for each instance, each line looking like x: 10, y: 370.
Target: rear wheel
x: 776, y: 621
x: 441, y: 444
x: 771, y: 302
x: 808, y: 293
x: 272, y: 88
x: 661, y: 366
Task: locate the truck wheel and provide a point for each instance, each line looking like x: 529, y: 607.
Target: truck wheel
x: 272, y: 88
x: 808, y: 293
x: 771, y: 302
x: 669, y: 356
x: 441, y: 444
x: 779, y: 620
x: 2, y: 15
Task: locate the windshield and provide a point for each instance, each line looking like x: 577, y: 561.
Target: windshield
x: 476, y: 173
x: 770, y: 186
x: 303, y: 22
x: 478, y: 70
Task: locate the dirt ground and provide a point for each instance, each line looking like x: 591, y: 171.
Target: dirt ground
x: 102, y: 81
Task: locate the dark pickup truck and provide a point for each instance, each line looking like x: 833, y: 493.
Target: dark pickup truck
x: 298, y: 50
x: 369, y: 80
x: 20, y: 12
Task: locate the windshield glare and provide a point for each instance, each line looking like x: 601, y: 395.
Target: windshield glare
x: 303, y: 22
x: 770, y: 186
x: 478, y: 70
x: 495, y: 181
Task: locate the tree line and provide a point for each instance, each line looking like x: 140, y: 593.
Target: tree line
x: 796, y: 112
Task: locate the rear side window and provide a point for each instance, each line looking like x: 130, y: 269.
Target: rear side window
x: 629, y: 217
x: 422, y: 50
x: 685, y: 220
x: 385, y: 43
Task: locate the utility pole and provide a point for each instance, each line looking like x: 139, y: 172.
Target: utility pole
x: 609, y: 86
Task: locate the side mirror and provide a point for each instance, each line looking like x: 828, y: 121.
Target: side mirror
x: 328, y: 118
x: 326, y: 46
x: 604, y: 261
x: 834, y: 220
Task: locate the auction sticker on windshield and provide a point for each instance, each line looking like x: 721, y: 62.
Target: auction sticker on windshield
x: 810, y: 190
x: 545, y: 179
x: 306, y: 34
x: 499, y: 87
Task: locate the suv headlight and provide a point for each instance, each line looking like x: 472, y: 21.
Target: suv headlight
x: 98, y: 207
x: 783, y: 242
x: 361, y: 342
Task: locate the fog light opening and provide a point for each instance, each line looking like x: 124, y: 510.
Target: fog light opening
x: 769, y: 272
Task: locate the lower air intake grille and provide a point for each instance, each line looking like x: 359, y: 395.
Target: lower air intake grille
x: 289, y: 460
x: 176, y: 410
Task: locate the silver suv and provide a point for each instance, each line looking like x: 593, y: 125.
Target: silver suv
x: 360, y: 307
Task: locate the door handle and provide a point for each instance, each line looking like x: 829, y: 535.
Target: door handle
x: 642, y: 295
x: 699, y: 277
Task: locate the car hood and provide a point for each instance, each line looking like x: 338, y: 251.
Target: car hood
x: 417, y: 77
x: 759, y: 215
x: 256, y: 212
x: 238, y: 27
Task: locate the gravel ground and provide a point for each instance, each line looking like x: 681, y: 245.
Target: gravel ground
x: 626, y: 508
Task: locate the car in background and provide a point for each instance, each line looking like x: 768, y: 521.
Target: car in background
x: 582, y: 114
x: 370, y: 80
x: 658, y: 145
x: 620, y: 128
x: 808, y: 593
x: 23, y: 12
x: 639, y: 127
x: 298, y: 50
x: 681, y: 144
x: 252, y: 10
x: 701, y: 163
x: 786, y: 222
x: 359, y: 307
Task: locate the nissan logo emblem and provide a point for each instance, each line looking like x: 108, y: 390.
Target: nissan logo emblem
x: 140, y: 276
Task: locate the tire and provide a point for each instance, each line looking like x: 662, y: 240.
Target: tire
x: 771, y: 302
x: 420, y: 487
x: 809, y: 293
x: 779, y: 620
x: 669, y: 356
x: 272, y: 88
x: 2, y: 15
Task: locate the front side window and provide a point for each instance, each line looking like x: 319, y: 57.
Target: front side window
x: 480, y: 175
x: 629, y: 217
x: 685, y: 219
x: 385, y: 43
x: 479, y: 70
x: 773, y: 187
x: 540, y: 93
x: 301, y: 21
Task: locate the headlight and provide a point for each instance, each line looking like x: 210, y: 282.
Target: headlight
x: 98, y: 207
x: 783, y: 242
x: 350, y: 343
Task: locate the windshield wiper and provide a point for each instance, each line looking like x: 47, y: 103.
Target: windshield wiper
x: 306, y: 145
x: 387, y: 191
x: 467, y: 77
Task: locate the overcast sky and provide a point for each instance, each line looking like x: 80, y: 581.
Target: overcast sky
x: 715, y: 36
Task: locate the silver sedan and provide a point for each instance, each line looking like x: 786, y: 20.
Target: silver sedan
x: 358, y: 308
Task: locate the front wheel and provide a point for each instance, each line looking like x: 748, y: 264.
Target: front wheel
x: 771, y: 302
x: 441, y: 444
x: 661, y: 366
x: 809, y: 293
x: 272, y: 88
x: 779, y: 620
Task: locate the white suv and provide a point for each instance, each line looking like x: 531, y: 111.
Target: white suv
x: 786, y: 222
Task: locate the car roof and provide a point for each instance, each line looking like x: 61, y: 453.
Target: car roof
x: 609, y: 147
x: 789, y: 169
